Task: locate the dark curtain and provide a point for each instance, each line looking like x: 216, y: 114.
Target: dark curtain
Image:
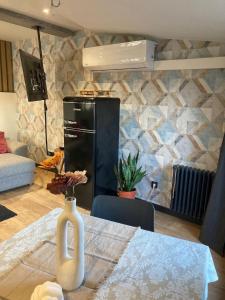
x: 213, y: 229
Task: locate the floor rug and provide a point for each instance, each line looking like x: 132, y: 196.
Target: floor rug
x: 5, y: 213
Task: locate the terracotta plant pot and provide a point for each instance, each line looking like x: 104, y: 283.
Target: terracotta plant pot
x: 129, y: 195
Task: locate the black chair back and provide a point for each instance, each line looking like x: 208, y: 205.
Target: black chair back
x: 126, y: 211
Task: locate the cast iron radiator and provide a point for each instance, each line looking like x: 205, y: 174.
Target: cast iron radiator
x: 190, y: 192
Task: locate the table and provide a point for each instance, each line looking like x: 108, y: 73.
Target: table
x: 122, y: 262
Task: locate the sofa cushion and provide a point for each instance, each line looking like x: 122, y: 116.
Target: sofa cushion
x: 11, y: 164
x: 14, y: 181
x: 16, y: 147
x: 3, y: 143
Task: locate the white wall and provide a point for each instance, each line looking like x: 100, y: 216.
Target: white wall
x: 8, y: 114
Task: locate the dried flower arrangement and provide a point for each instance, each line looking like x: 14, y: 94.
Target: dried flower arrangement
x: 62, y: 183
x: 66, y: 183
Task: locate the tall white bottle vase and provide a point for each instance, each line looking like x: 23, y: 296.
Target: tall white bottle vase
x: 70, y: 269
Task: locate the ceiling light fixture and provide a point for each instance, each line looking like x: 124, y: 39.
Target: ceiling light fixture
x: 46, y: 11
x: 55, y: 3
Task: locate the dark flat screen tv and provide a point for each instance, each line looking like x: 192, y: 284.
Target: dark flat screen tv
x: 34, y: 77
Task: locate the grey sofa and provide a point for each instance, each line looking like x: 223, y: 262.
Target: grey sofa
x: 15, y: 168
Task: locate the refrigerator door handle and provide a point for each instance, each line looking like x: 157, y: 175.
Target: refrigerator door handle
x: 70, y: 122
x: 71, y: 136
x: 79, y: 130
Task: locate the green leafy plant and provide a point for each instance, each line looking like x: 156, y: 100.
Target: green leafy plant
x: 128, y: 173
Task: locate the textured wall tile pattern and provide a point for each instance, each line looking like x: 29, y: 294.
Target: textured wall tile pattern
x: 170, y: 116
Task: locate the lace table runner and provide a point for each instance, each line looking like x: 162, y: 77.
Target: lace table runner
x: 159, y: 267
x: 121, y: 263
x: 28, y: 259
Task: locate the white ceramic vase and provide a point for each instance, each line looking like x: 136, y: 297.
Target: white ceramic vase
x: 70, y: 269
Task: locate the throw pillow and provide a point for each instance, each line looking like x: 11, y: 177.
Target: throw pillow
x: 3, y: 143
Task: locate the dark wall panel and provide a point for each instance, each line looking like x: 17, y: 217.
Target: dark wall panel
x: 6, y: 67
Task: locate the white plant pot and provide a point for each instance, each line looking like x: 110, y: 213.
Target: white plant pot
x: 70, y: 269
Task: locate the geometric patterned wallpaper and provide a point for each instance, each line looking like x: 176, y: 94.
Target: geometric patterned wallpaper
x: 170, y: 116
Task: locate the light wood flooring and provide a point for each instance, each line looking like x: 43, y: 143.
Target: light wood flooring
x: 31, y: 203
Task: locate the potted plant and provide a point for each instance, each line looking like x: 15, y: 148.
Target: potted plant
x: 128, y: 174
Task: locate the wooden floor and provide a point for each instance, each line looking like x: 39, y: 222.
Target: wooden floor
x: 31, y: 203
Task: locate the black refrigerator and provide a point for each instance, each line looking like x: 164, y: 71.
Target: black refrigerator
x: 91, y: 140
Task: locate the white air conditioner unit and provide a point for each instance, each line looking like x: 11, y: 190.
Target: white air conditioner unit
x: 131, y: 55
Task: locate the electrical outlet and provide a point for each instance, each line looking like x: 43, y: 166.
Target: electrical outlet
x: 154, y: 184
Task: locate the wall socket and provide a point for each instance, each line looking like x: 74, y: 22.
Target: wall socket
x: 154, y: 184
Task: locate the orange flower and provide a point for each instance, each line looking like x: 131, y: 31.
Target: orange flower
x: 52, y: 161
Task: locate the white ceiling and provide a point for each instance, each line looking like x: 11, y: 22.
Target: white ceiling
x: 11, y: 32
x: 177, y: 19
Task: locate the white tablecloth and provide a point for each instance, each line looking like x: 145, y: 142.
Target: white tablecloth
x: 158, y: 267
x: 152, y: 266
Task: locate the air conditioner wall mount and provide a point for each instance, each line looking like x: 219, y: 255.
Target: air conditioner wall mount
x: 130, y: 55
